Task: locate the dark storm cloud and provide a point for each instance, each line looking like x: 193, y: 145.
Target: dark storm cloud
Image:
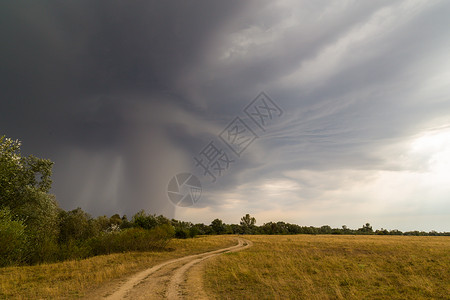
x: 72, y: 71
x: 123, y: 95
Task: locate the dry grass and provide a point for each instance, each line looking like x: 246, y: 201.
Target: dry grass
x: 72, y: 279
x: 333, y: 267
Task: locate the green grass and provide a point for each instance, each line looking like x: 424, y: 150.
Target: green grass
x: 333, y: 267
x: 73, y: 279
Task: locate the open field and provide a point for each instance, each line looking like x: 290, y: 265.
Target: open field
x: 275, y: 267
x: 333, y: 267
x: 74, y: 279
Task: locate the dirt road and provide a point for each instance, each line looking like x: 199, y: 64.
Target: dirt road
x: 179, y: 278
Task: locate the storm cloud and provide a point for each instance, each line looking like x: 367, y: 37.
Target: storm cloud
x: 123, y: 95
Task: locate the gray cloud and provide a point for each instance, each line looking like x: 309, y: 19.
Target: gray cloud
x: 122, y: 97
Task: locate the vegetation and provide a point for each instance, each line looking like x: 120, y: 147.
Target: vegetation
x: 333, y: 267
x: 33, y: 229
x: 79, y: 278
x: 12, y: 238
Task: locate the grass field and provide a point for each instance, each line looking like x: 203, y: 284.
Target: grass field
x: 276, y: 267
x: 333, y: 267
x: 73, y: 279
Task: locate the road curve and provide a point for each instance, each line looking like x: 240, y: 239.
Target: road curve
x: 168, y: 279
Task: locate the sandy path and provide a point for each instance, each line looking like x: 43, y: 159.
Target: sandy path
x: 173, y: 279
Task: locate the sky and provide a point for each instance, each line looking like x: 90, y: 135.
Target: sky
x: 309, y: 112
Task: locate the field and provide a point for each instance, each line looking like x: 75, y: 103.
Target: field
x: 333, y: 267
x: 75, y: 279
x: 274, y: 267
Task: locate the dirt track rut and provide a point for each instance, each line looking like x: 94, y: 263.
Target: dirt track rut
x: 169, y: 280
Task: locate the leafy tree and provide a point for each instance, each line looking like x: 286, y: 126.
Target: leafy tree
x: 325, y: 229
x: 24, y: 186
x: 203, y: 229
x: 366, y: 229
x: 21, y: 177
x: 248, y: 223
x: 382, y: 232
x: 217, y: 226
x: 78, y: 225
x: 142, y: 220
x: 236, y: 229
x: 115, y: 220
x: 269, y: 228
x: 125, y: 223
x: 102, y: 223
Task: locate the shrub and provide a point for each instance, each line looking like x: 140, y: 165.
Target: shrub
x: 182, y: 233
x: 13, y: 239
x: 132, y: 239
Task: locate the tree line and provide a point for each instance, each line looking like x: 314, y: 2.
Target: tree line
x: 34, y: 229
x: 247, y: 226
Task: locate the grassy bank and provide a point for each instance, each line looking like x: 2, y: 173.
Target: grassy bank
x: 333, y: 267
x: 72, y: 279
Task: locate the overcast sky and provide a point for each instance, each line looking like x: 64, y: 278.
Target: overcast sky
x: 124, y: 95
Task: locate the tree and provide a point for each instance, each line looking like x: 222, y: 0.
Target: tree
x: 77, y: 225
x: 217, y: 226
x: 141, y: 219
x: 21, y: 177
x: 24, y: 187
x: 125, y: 223
x: 366, y: 229
x: 325, y: 229
x: 247, y: 223
x: 115, y: 220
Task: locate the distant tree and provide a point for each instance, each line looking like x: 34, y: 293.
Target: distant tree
x: 293, y: 228
x: 366, y: 229
x: 203, y: 229
x: 217, y: 226
x: 115, y: 220
x: 282, y: 227
x: 325, y: 229
x: 125, y: 223
x: 236, y: 229
x: 142, y: 220
x: 247, y: 223
x: 382, y: 232
x: 395, y: 232
x: 78, y: 225
x: 102, y: 223
x: 269, y: 228
x: 161, y: 220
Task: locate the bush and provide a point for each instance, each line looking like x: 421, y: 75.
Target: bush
x: 132, y: 239
x: 76, y: 225
x: 74, y: 250
x: 182, y: 233
x: 13, y: 240
x: 142, y: 220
